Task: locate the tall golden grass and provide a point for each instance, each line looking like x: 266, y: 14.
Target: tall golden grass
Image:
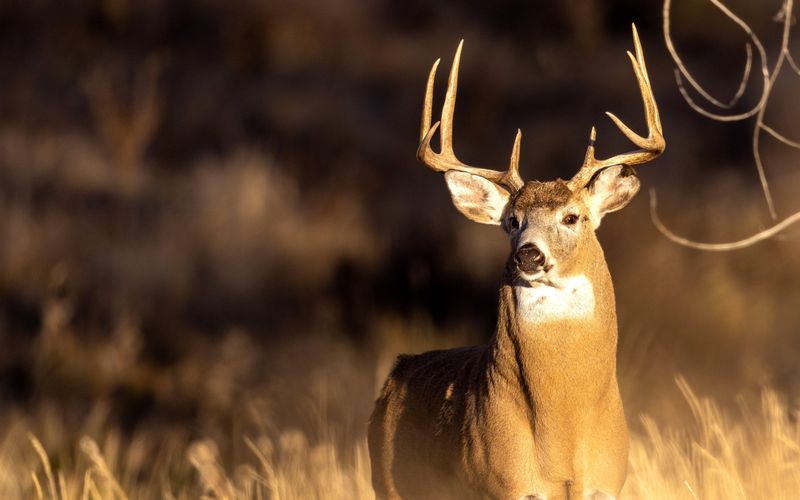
x: 752, y: 452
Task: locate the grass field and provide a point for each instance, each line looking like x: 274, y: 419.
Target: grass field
x: 749, y: 452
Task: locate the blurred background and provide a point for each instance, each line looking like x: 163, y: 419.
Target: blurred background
x: 211, y: 216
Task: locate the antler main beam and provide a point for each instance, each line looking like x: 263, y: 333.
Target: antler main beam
x: 446, y: 159
x: 650, y: 146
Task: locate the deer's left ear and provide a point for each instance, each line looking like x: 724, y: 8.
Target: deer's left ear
x: 610, y: 190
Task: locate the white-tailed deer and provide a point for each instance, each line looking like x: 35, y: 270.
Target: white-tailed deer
x: 536, y: 413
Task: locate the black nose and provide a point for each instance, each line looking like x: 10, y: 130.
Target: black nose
x: 529, y: 258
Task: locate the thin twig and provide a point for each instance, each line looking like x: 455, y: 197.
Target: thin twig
x: 682, y: 70
x: 762, y: 177
x: 718, y: 247
x: 771, y: 131
x: 792, y: 63
x: 759, y: 110
x: 699, y: 88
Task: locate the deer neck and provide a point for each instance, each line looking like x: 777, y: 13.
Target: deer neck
x: 554, y: 350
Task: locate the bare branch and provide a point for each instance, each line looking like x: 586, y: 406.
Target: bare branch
x: 682, y: 70
x: 717, y: 247
x: 771, y: 131
x: 787, y: 27
x: 791, y: 61
x: 748, y: 66
x: 785, y: 16
x: 708, y: 114
x: 762, y: 176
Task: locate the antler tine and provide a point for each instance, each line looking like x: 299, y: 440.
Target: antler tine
x: 427, y: 107
x: 651, y: 146
x: 446, y: 159
x: 512, y: 177
x: 449, y: 106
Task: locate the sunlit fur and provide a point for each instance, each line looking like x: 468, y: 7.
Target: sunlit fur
x: 537, y: 410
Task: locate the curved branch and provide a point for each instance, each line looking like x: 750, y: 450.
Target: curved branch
x: 759, y: 110
x: 699, y: 88
x: 717, y: 247
x: 792, y: 63
x: 708, y: 114
x: 748, y: 65
x: 686, y: 74
x: 776, y: 70
x: 774, y: 133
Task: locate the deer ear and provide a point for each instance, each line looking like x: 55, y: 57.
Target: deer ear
x: 478, y: 199
x: 610, y: 190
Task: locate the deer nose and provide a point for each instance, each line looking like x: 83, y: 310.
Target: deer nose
x: 529, y: 258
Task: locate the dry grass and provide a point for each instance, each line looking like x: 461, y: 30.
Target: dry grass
x: 752, y: 452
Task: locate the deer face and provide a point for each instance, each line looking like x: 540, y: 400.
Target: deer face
x: 549, y: 225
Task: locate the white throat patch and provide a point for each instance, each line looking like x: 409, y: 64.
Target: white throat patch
x: 543, y: 304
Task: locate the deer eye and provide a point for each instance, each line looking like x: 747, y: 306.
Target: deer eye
x: 513, y: 223
x: 569, y: 220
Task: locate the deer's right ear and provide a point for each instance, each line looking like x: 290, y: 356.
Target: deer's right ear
x: 478, y: 199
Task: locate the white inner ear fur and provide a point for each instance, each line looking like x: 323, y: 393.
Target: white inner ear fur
x: 609, y: 192
x: 478, y: 199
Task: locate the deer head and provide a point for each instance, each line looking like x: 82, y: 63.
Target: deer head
x: 551, y: 224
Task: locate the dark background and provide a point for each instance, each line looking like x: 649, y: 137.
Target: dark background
x: 202, y: 203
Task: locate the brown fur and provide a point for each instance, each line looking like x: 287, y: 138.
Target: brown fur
x: 535, y: 413
x: 531, y: 412
x: 543, y: 194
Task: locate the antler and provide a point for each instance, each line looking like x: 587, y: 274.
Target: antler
x: 651, y: 146
x: 446, y: 160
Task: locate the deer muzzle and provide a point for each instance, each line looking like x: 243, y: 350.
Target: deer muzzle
x: 529, y: 259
